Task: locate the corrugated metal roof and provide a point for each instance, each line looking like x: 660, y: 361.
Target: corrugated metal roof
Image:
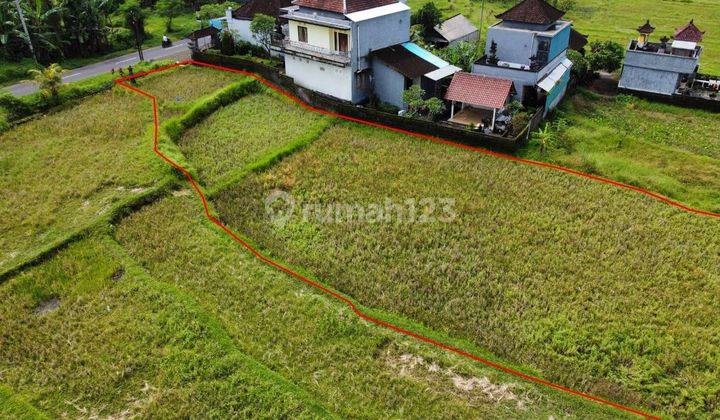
x: 442, y: 73
x: 550, y: 80
x: 425, y: 54
x: 454, y: 28
x: 403, y: 61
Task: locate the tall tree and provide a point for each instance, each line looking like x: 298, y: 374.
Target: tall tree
x: 428, y: 16
x: 135, y: 21
x: 262, y: 28
x: 169, y: 9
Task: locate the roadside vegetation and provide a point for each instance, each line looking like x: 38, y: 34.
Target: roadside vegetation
x: 663, y: 148
x: 598, y: 288
x: 614, y: 20
x: 81, y: 32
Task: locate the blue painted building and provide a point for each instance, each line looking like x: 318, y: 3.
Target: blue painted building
x: 661, y: 67
x: 529, y: 47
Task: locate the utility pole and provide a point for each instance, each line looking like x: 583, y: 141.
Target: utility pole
x: 24, y: 25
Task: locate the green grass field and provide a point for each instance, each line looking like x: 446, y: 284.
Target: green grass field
x: 599, y: 288
x: 64, y: 171
x: 161, y: 314
x: 244, y: 132
x: 666, y: 149
x: 118, y: 343
x: 615, y: 19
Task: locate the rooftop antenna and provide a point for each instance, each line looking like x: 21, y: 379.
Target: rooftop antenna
x: 24, y: 25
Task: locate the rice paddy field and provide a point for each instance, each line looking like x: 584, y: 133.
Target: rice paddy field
x: 155, y: 312
x: 596, y: 287
x: 614, y: 20
x: 64, y: 171
x: 242, y: 133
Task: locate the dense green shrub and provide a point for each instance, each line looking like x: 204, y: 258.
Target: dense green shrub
x: 248, y: 48
x: 122, y: 38
x: 227, y: 43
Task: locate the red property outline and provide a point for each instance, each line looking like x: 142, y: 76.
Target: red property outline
x: 347, y: 301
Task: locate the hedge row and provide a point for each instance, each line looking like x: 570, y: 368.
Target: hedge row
x: 175, y: 127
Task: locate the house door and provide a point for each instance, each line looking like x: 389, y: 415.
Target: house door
x: 341, y: 42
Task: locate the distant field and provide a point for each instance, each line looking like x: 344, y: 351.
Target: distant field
x: 176, y: 89
x: 667, y: 149
x: 599, y: 288
x: 616, y: 19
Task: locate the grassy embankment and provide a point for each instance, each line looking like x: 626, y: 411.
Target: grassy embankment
x: 66, y: 171
x: 172, y: 329
x: 598, y: 288
x: 615, y: 19
x: 663, y: 148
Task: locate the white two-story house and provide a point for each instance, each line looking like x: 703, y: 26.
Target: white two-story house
x: 329, y: 43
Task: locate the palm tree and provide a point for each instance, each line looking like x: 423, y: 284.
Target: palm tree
x: 49, y: 79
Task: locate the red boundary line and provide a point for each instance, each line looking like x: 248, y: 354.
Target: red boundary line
x: 346, y: 300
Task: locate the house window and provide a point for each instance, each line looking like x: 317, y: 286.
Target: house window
x: 302, y: 34
x: 341, y: 42
x: 543, y: 52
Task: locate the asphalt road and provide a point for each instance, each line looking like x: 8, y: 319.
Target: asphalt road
x: 179, y: 50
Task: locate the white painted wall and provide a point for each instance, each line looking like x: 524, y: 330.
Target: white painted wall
x: 324, y: 78
x: 240, y: 28
x: 318, y: 36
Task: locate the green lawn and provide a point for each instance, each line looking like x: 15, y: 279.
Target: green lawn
x: 666, y: 149
x: 242, y: 133
x: 599, y: 288
x: 616, y: 20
